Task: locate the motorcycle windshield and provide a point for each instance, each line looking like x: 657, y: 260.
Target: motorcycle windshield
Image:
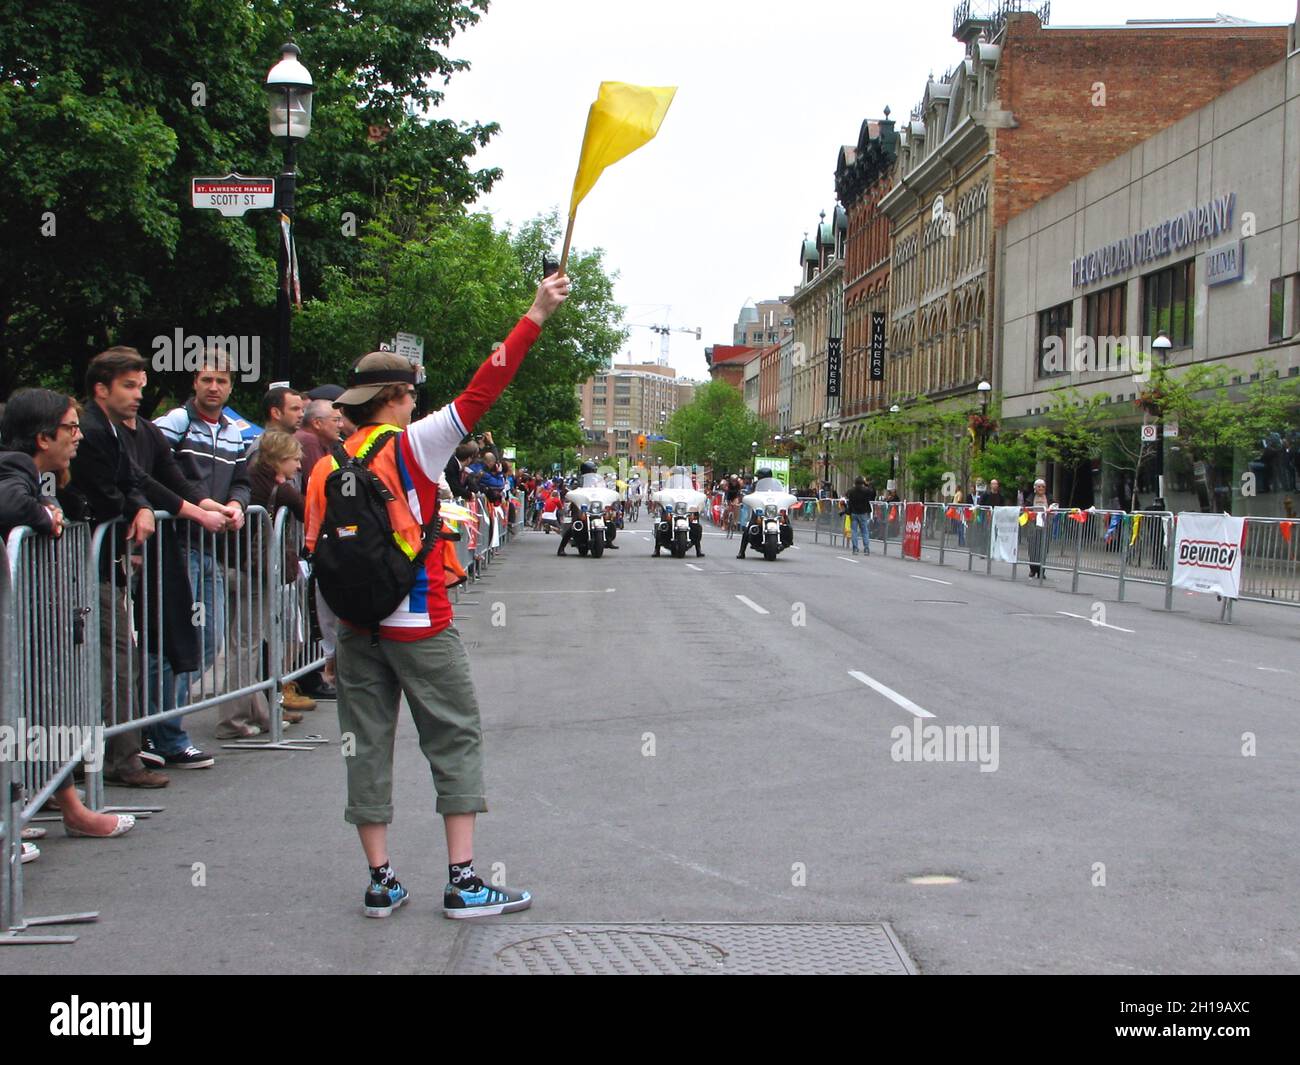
x: 680, y: 480
x: 593, y: 480
x: 769, y: 484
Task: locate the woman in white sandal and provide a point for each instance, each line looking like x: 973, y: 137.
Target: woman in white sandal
x: 39, y: 434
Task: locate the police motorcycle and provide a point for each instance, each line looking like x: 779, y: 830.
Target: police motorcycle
x: 767, y: 517
x: 679, y: 506
x: 590, y: 508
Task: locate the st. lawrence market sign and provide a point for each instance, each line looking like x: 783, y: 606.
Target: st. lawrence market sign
x: 1155, y: 242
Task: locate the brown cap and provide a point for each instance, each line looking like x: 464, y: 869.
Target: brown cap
x: 371, y: 374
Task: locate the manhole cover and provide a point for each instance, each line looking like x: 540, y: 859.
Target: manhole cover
x: 684, y: 949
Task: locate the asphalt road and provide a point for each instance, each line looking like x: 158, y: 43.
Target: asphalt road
x: 713, y: 740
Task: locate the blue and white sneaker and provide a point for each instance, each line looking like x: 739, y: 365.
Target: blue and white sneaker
x: 487, y: 901
x: 383, y: 899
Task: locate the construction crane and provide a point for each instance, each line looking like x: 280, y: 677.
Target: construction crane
x: 663, y: 331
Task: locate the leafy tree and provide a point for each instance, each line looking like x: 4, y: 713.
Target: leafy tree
x: 462, y: 284
x: 926, y: 467
x: 108, y: 110
x: 1011, y: 460
x: 1073, y: 436
x: 716, y: 427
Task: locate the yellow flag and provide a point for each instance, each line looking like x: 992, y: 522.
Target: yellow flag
x: 1137, y: 524
x: 623, y: 118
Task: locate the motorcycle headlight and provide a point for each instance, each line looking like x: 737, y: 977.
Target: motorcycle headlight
x: 771, y: 510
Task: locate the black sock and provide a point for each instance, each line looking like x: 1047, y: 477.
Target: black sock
x: 462, y: 875
x: 382, y: 874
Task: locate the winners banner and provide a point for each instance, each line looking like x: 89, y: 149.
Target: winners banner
x: 913, y: 518
x: 1207, y: 553
x: 834, y: 351
x: 877, y: 345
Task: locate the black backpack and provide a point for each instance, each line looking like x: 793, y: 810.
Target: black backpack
x: 358, y: 566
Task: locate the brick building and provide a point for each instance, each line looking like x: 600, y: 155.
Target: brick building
x: 727, y: 363
x: 762, y: 323
x: 1029, y: 109
x: 818, y: 310
x: 619, y: 405
x: 863, y: 176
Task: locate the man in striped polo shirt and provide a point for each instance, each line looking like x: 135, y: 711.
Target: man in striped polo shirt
x: 417, y: 651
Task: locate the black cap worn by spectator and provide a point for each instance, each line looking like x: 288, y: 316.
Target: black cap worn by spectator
x: 326, y: 392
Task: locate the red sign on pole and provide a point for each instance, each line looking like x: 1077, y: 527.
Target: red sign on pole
x: 913, y: 519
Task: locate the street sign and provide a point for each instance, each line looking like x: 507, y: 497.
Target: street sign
x: 508, y: 453
x: 1171, y: 428
x: 409, y: 346
x: 1149, y: 433
x: 233, y: 194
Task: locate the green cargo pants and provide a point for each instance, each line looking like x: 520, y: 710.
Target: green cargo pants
x: 434, y: 676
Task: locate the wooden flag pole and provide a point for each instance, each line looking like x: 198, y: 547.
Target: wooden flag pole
x: 568, y: 237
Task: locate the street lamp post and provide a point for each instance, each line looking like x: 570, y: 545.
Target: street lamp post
x: 289, y: 90
x: 893, y: 450
x: 985, y: 390
x: 826, y: 453
x: 1162, y: 345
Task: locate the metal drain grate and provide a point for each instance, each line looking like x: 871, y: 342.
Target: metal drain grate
x: 679, y: 949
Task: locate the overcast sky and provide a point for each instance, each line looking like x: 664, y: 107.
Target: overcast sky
x: 712, y: 211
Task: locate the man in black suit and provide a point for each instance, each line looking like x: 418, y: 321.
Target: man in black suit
x: 105, y: 484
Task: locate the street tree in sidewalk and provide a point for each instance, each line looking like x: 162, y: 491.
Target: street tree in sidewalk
x: 1072, y: 436
x: 1012, y: 460
x: 925, y: 468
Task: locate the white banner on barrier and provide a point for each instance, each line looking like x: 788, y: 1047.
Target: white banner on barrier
x: 1207, y: 553
x: 1006, y: 533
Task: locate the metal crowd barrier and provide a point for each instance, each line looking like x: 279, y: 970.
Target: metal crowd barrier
x: 88, y: 635
x: 1270, y: 570
x: 1135, y: 547
x: 298, y: 654
x: 49, y: 695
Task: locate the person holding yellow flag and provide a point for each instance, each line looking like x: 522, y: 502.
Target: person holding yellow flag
x: 372, y: 525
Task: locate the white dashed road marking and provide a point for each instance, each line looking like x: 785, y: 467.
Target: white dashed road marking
x: 1099, y: 624
x: 932, y: 580
x: 752, y: 605
x: 890, y: 694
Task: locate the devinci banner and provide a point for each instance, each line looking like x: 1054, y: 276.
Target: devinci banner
x: 1207, y: 553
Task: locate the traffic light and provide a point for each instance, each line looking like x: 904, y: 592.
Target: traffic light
x: 640, y: 441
